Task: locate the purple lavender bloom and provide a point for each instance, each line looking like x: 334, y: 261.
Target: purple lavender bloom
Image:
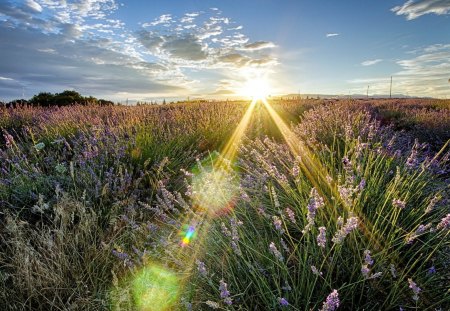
x: 367, y: 258
x: 291, y: 215
x: 120, y: 255
x: 224, y: 293
x: 201, y: 268
x: 365, y: 271
x: 416, y: 290
x: 273, y: 249
x: 432, y: 270
x: 398, y: 203
x: 283, y: 302
x: 322, y: 237
x: 444, y: 223
x: 278, y: 224
x: 332, y: 302
x: 315, y: 202
x: 351, y: 224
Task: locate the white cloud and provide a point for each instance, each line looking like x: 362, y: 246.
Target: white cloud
x: 33, y: 5
x: 414, y: 9
x: 371, y: 62
x: 328, y: 35
x: 258, y: 45
x: 425, y: 74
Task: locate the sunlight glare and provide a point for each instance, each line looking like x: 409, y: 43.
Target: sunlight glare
x: 258, y: 88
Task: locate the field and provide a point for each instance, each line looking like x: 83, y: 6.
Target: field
x: 264, y: 205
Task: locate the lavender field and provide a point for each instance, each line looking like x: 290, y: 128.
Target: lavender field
x: 233, y: 205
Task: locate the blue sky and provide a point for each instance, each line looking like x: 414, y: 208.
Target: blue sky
x: 142, y: 50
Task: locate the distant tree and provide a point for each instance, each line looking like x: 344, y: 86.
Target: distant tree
x: 42, y: 99
x: 164, y: 101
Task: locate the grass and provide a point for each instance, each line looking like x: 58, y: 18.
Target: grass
x: 115, y: 207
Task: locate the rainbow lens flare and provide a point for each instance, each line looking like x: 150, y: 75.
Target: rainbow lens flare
x: 189, y: 234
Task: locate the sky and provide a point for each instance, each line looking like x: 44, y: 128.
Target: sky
x: 144, y: 50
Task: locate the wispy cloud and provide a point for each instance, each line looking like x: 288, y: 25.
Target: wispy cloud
x: 371, y: 62
x: 333, y: 34
x: 425, y: 74
x: 414, y: 9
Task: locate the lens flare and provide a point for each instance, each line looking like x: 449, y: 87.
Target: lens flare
x: 155, y: 289
x: 188, y: 236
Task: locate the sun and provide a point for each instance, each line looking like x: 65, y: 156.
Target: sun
x: 257, y: 88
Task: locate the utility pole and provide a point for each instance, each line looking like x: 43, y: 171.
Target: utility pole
x: 390, y: 89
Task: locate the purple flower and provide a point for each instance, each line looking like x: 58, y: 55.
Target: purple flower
x: 398, y: 203
x: 283, y: 302
x: 432, y: 270
x: 332, y: 301
x: 444, y: 223
x: 367, y: 258
x: 278, y: 224
x: 273, y: 249
x: 201, y: 268
x: 315, y: 202
x: 416, y: 290
x: 224, y: 293
x: 322, y: 237
x: 351, y: 224
x: 365, y: 271
x: 291, y: 215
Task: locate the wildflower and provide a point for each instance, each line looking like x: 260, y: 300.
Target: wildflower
x: 283, y: 301
x: 9, y: 139
x: 322, y: 237
x: 234, y: 231
x: 120, y: 255
x: 225, y: 230
x: 431, y: 270
x: 398, y: 203
x: 412, y: 160
x: 367, y: 258
x: 433, y: 203
x: 276, y: 202
x: 416, y: 290
x: 350, y: 225
x: 315, y: 271
x: 278, y: 224
x: 212, y: 304
x: 291, y: 215
x: 201, y: 268
x: 295, y: 170
x: 340, y: 221
x: 376, y: 275
x: 224, y: 293
x: 362, y: 184
x: 444, y: 223
x: 365, y: 271
x: 236, y: 248
x: 315, y: 202
x: 273, y: 249
x: 332, y: 301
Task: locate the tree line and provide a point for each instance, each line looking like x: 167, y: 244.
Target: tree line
x: 65, y: 98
